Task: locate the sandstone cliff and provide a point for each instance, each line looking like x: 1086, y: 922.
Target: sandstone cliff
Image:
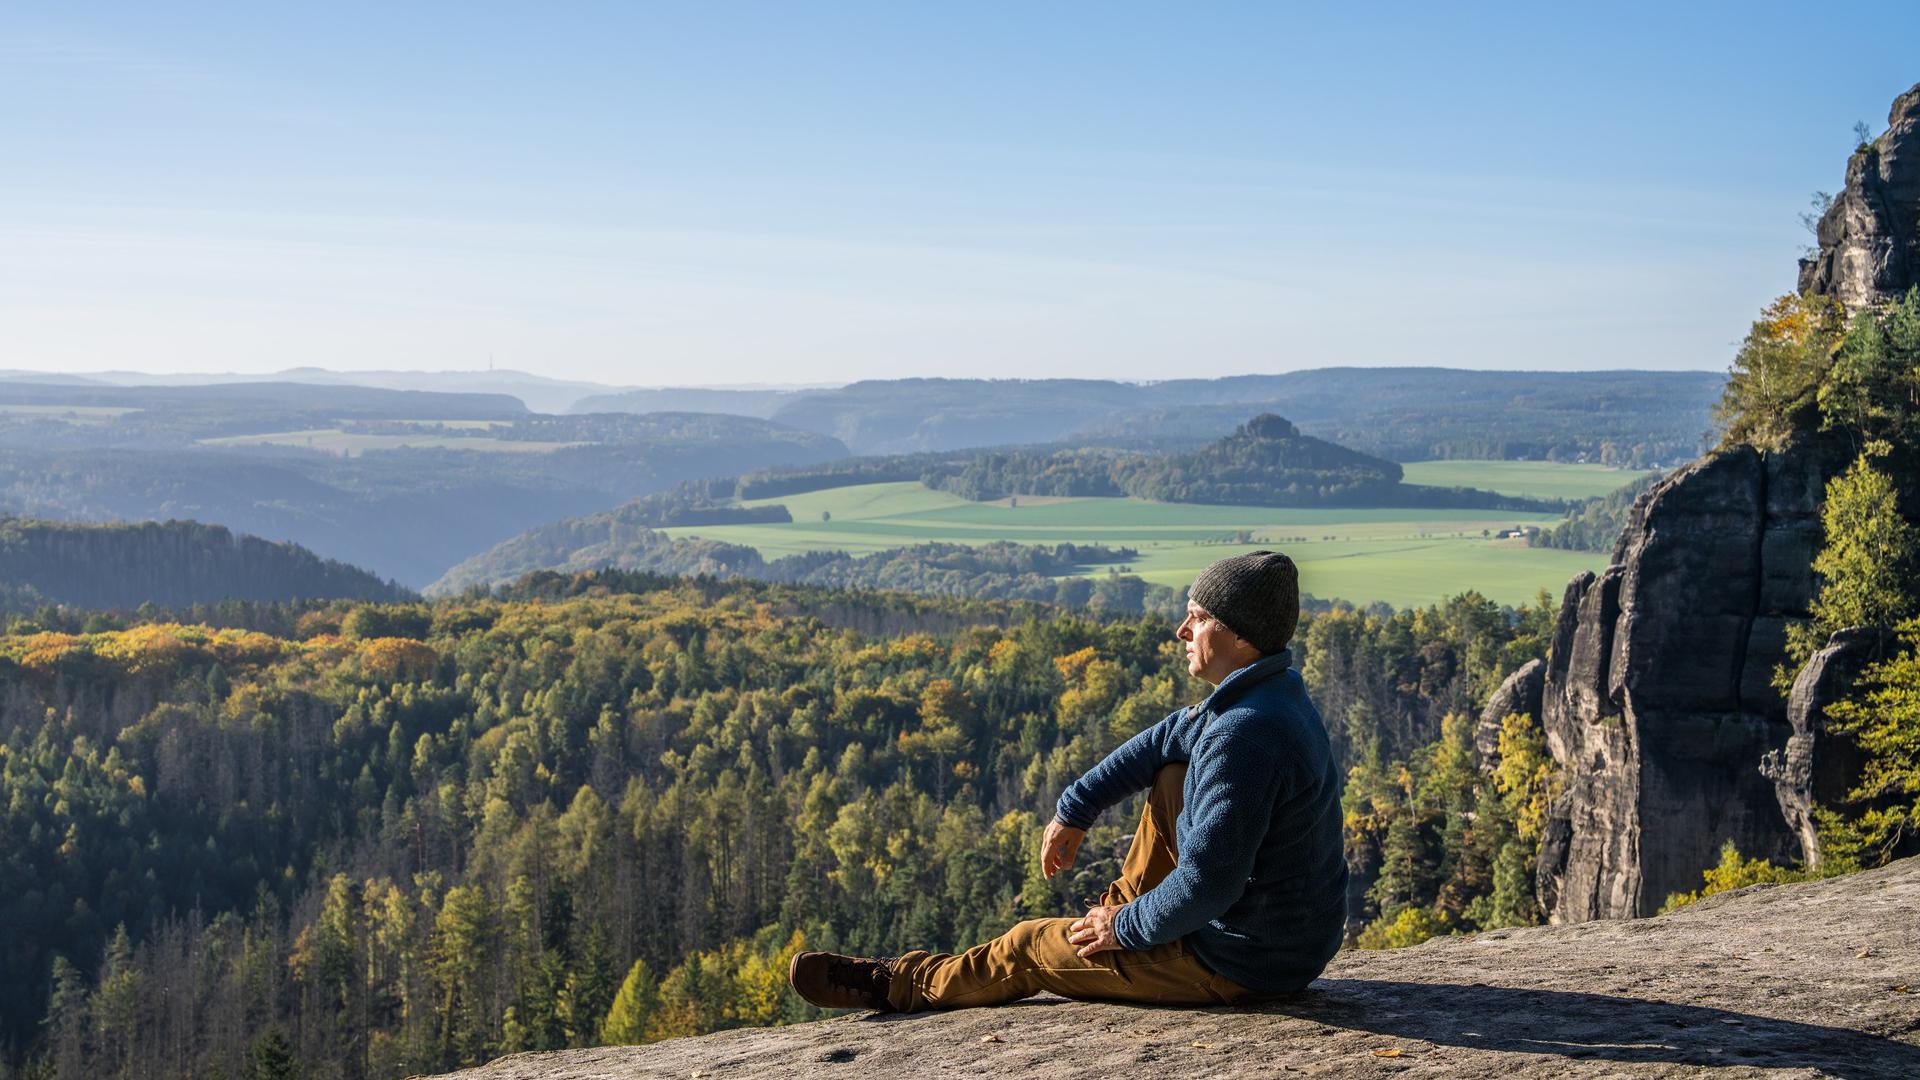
x: 1788, y: 981
x: 1657, y: 701
x: 1870, y: 237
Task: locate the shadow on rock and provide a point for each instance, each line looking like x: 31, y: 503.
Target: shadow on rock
x: 1594, y: 1026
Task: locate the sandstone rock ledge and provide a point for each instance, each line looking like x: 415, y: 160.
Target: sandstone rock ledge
x: 1821, y: 979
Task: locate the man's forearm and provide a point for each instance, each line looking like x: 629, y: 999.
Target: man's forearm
x: 1129, y: 768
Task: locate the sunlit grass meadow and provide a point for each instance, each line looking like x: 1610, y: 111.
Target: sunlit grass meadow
x: 1400, y: 556
x: 1535, y: 479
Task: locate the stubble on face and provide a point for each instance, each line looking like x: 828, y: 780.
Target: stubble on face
x: 1208, y: 642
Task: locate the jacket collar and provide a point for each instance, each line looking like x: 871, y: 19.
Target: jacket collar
x: 1246, y: 678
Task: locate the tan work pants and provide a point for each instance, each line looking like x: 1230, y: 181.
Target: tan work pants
x: 1036, y: 955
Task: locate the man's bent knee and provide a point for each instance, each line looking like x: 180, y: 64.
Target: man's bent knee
x: 1037, y: 940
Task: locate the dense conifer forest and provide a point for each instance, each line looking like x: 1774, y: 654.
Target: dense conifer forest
x: 173, y: 563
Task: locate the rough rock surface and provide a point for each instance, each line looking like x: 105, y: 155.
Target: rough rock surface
x: 1821, y: 979
x: 1870, y: 237
x: 1658, y: 700
x: 1519, y: 694
x: 1816, y: 765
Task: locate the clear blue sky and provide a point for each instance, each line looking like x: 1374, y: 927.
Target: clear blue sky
x: 710, y: 192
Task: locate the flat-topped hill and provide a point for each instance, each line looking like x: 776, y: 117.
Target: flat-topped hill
x: 1821, y: 979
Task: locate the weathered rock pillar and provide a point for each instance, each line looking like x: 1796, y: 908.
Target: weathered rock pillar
x: 1658, y: 700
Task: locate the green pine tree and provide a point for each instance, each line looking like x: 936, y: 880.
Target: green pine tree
x: 589, y: 988
x: 66, y: 1020
x: 116, y: 1004
x: 633, y: 1007
x: 270, y: 1058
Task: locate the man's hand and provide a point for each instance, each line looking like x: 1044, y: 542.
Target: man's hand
x: 1093, y: 932
x: 1058, y: 847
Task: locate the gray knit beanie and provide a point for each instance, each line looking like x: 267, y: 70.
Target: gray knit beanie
x: 1257, y: 596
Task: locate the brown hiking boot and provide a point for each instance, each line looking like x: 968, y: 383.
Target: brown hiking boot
x: 832, y: 981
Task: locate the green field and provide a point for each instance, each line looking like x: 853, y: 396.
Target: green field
x: 1532, y: 479
x: 1403, y: 557
x: 72, y: 414
x: 349, y: 443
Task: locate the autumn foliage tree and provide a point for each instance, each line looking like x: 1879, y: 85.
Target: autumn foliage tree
x: 1775, y: 379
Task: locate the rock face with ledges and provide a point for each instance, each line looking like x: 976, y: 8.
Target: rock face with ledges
x: 1817, y: 765
x: 1658, y: 700
x: 1784, y: 981
x: 1870, y: 237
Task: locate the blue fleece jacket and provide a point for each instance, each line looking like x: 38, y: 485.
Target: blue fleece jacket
x: 1260, y: 890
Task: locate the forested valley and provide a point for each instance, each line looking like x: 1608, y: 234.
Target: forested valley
x: 379, y: 839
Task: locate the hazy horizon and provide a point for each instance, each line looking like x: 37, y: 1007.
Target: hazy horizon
x: 770, y: 195
x: 108, y: 376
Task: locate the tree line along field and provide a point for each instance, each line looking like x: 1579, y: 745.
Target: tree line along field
x: 1403, y: 557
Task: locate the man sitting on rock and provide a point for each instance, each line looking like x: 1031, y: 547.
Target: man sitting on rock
x: 1235, y: 885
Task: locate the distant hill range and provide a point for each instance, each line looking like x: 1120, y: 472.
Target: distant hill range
x: 539, y: 393
x: 1625, y: 417
x: 1638, y: 418
x: 172, y: 564
x: 535, y: 392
